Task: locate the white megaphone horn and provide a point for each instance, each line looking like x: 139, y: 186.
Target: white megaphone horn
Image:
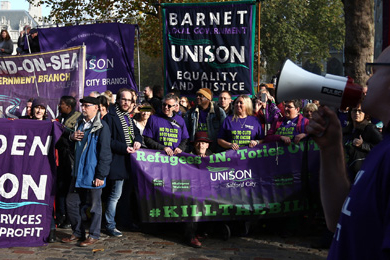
x: 331, y: 90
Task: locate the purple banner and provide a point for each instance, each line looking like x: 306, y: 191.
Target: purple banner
x: 250, y: 183
x: 110, y: 52
x: 27, y: 175
x: 209, y: 45
x: 48, y: 75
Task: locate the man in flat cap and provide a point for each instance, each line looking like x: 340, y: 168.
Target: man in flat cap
x: 91, y: 166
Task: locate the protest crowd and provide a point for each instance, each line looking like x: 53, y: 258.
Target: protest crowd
x: 102, y: 130
x: 126, y: 121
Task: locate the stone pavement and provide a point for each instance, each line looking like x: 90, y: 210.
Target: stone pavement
x: 137, y: 245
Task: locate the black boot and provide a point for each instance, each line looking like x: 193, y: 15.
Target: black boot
x: 52, y: 236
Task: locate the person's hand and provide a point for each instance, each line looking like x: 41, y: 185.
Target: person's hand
x: 168, y: 151
x: 177, y: 151
x: 253, y: 143
x: 285, y: 139
x: 77, y: 135
x: 130, y: 149
x: 325, y: 128
x: 299, y: 137
x: 136, y: 145
x: 97, y: 182
x: 358, y: 141
x: 270, y: 97
x: 234, y: 146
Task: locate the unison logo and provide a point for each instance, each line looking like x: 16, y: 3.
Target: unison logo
x: 226, y: 174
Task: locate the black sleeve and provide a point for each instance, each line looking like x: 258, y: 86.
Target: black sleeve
x: 183, y: 144
x: 151, y: 144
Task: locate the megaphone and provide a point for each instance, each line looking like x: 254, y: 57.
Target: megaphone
x: 331, y: 90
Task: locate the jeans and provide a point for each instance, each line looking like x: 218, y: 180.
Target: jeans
x: 75, y: 201
x: 112, y: 201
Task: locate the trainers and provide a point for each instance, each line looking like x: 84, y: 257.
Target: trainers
x: 114, y: 232
x: 194, y: 242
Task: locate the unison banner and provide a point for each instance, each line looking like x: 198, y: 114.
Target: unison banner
x: 27, y: 175
x: 209, y: 45
x: 48, y: 75
x: 250, y: 183
x: 110, y: 52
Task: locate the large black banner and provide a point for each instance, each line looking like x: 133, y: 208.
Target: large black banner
x: 209, y: 45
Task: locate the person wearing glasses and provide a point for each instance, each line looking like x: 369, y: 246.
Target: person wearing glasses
x: 357, y: 212
x: 166, y: 130
x: 291, y: 127
x: 359, y: 137
x: 125, y: 139
x: 205, y: 117
x: 91, y: 138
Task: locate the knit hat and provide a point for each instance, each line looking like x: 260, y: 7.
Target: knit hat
x: 206, y: 92
x: 39, y: 102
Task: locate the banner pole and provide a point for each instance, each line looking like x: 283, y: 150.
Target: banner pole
x: 139, y: 64
x: 161, y: 36
x: 258, y: 49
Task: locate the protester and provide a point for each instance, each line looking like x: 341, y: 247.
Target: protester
x: 34, y: 41
x: 92, y: 165
x: 205, y: 116
x: 108, y: 94
x: 201, y: 144
x: 191, y: 235
x: 291, y: 128
x: 21, y: 49
x: 359, y: 137
x: 6, y: 44
x: 141, y: 119
x: 266, y: 110
x: 148, y: 93
x: 185, y: 104
x: 166, y: 130
x: 358, y: 213
x: 68, y: 117
x: 155, y: 101
x: 309, y: 109
x: 225, y: 102
x: 125, y: 139
x: 103, y: 105
x: 28, y: 114
x: 241, y: 129
x: 94, y: 94
x: 39, y: 113
x: 38, y: 109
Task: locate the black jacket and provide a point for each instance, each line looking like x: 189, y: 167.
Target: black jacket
x: 120, y: 165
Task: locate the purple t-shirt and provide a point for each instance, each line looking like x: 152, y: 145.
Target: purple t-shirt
x: 363, y: 231
x: 288, y: 128
x: 202, y: 121
x: 241, y: 131
x: 169, y: 134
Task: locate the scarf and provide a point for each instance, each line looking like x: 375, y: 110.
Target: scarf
x: 129, y: 129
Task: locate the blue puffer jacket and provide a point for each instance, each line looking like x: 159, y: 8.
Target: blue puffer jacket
x: 96, y: 156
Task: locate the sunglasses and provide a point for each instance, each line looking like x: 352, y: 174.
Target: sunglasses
x: 167, y: 105
x: 370, y: 66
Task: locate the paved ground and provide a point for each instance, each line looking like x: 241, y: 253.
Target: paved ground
x: 169, y: 245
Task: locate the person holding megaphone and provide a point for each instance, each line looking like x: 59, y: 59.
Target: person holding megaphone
x: 358, y: 212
